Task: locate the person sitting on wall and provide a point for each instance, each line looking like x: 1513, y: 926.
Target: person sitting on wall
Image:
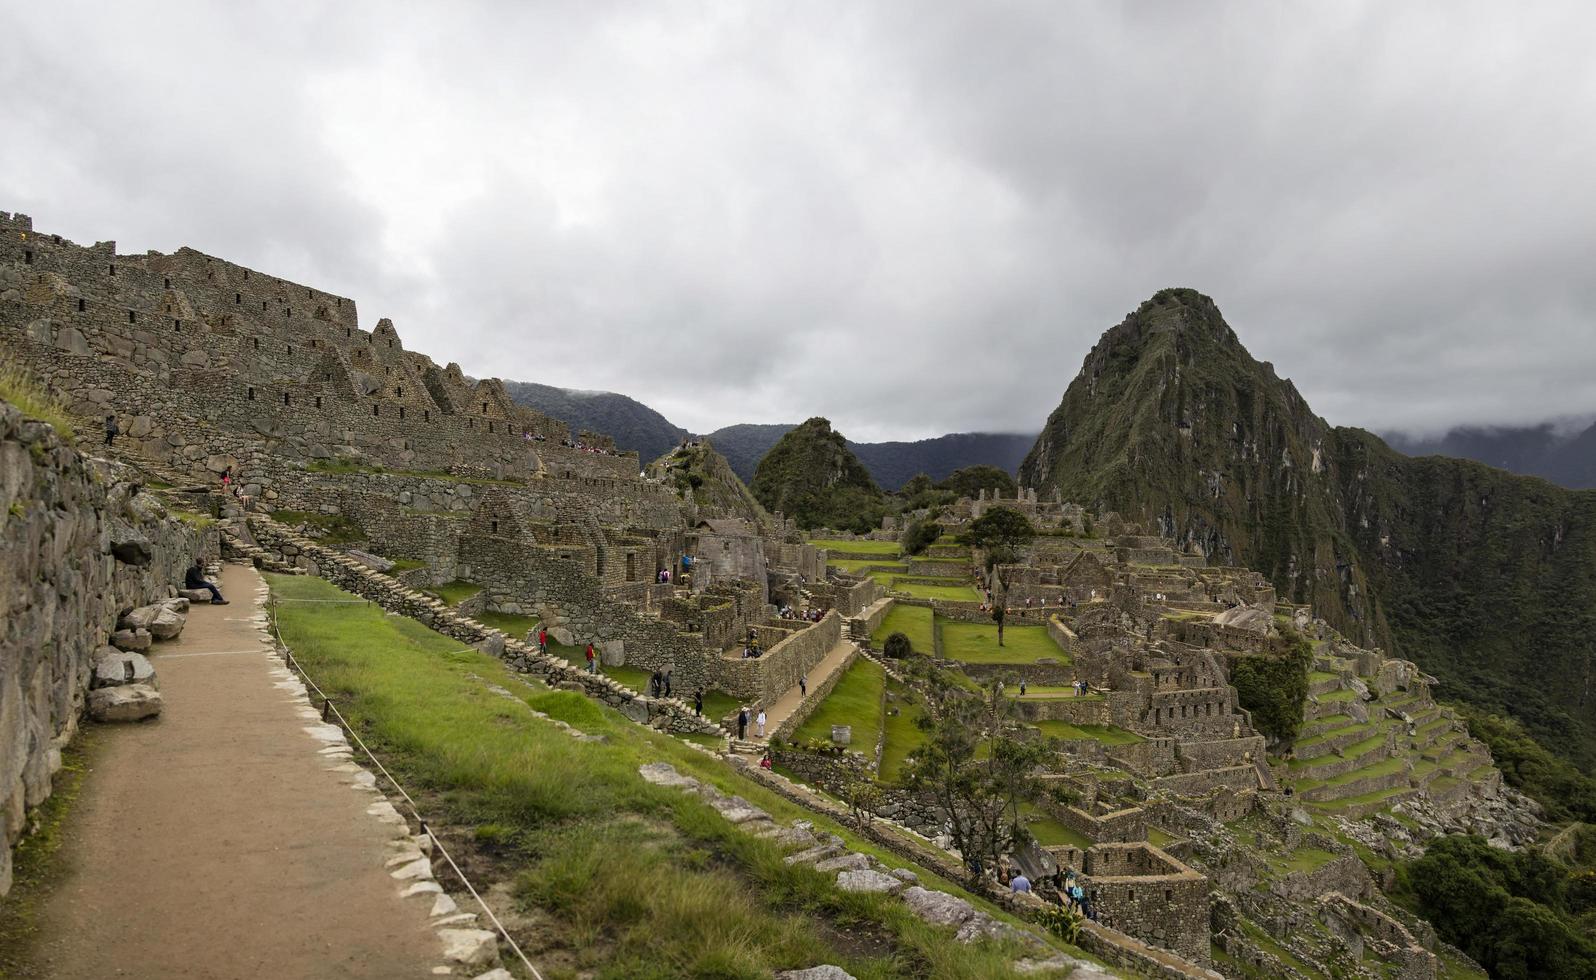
x: 765, y: 760
x: 195, y: 578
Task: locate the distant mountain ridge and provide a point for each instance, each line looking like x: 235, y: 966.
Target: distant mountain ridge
x: 634, y: 425
x: 1485, y: 578
x: 1567, y: 459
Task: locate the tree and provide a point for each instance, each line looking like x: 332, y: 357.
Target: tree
x: 1003, y: 533
x: 971, y: 480
x: 978, y: 793
x: 919, y: 536
x: 999, y: 613
x: 897, y: 646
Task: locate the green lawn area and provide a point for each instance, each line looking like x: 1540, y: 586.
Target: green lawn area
x: 861, y: 566
x: 406, y: 565
x: 457, y: 591
x: 1107, y: 734
x: 888, y: 548
x: 574, y: 829
x: 976, y: 643
x: 511, y: 624
x: 1345, y: 694
x: 915, y: 622
x: 1050, y: 832
x: 903, y: 735
x: 954, y: 593
x: 856, y: 701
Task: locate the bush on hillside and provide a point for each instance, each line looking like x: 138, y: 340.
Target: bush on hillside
x: 1273, y: 687
x: 919, y: 536
x: 897, y: 646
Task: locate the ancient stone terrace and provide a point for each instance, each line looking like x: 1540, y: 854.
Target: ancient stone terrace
x: 203, y: 360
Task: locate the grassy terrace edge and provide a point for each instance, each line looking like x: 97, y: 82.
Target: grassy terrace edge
x: 626, y: 879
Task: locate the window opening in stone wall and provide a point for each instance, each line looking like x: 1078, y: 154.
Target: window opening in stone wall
x: 495, y: 525
x: 288, y: 311
x: 285, y: 398
x: 246, y: 275
x: 387, y: 370
x: 307, y: 294
x: 132, y: 317
x: 238, y: 299
x: 249, y: 393
x: 376, y: 409
x: 401, y: 411
x: 347, y: 331
x: 1169, y: 895
x: 471, y: 423
x: 398, y: 391
x: 83, y: 305
x: 27, y: 257
x: 484, y: 408
x: 256, y: 342
x: 426, y: 415
x: 177, y: 326
x: 263, y: 305
x: 56, y: 239
x: 327, y: 376
x: 167, y: 283
x: 113, y: 270
x: 318, y: 401
x: 490, y: 426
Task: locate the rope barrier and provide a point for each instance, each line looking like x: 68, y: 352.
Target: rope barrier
x: 329, y: 706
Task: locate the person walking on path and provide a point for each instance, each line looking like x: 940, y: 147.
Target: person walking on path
x: 803, y: 687
x: 742, y: 723
x: 195, y: 578
x: 543, y: 639
x: 698, y: 702
x: 760, y: 721
x: 592, y: 661
x: 112, y: 430
x: 653, y: 684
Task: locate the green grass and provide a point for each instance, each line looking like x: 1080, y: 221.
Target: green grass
x: 1345, y: 694
x: 1050, y: 832
x: 952, y: 593
x: 19, y: 388
x: 888, y: 548
x: 856, y: 701
x: 629, y: 880
x: 38, y: 861
x: 717, y: 704
x: 1305, y: 859
x: 862, y: 566
x: 1107, y: 734
x: 915, y: 622
x: 976, y: 643
x: 514, y: 625
x: 457, y: 591
x: 406, y: 565
x: 903, y: 736
x: 329, y: 529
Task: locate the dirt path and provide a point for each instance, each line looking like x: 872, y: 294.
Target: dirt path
x: 212, y: 842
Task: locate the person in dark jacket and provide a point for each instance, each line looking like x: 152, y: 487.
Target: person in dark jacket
x: 112, y: 430
x: 195, y: 578
x: 742, y: 724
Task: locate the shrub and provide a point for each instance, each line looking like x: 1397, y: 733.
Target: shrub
x: 897, y: 646
x: 919, y: 536
x: 1273, y: 687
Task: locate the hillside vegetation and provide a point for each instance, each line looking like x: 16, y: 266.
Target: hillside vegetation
x: 1486, y: 579
x: 810, y: 476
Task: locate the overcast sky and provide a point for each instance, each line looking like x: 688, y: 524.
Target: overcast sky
x: 912, y: 217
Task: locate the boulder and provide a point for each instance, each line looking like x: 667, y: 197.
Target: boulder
x: 1253, y: 619
x: 137, y: 640
x: 128, y: 702
x: 113, y: 668
x: 177, y: 603
x: 868, y: 881
x: 852, y: 861
x: 823, y: 972
x: 195, y: 595
x: 938, y: 908
x: 469, y: 947
x: 139, y: 618
x: 167, y: 623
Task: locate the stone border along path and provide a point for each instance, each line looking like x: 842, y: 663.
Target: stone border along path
x: 236, y: 837
x: 858, y: 872
x: 668, y: 714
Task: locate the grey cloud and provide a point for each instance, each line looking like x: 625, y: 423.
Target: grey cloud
x: 912, y: 218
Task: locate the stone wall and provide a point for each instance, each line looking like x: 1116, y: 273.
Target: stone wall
x: 81, y: 546
x: 766, y: 678
x: 1140, y: 890
x: 277, y: 543
x: 806, y: 707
